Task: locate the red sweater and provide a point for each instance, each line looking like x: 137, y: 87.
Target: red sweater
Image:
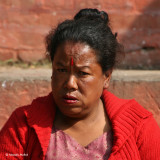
x: 27, y: 133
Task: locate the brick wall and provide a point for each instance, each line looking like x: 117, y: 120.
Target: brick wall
x: 24, y: 24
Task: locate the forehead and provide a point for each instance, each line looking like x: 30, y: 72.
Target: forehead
x: 76, y: 50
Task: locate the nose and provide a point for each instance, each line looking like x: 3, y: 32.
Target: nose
x: 71, y: 83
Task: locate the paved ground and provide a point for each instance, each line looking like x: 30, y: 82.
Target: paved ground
x: 14, y: 74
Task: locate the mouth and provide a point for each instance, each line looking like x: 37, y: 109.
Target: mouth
x: 69, y: 99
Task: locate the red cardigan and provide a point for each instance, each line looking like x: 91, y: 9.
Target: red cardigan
x: 26, y: 134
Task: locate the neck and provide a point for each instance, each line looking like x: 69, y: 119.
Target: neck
x: 87, y: 120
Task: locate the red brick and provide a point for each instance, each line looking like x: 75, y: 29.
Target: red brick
x: 147, y: 21
x: 22, y: 19
x: 59, y: 4
x: 142, y: 59
x: 18, y: 4
x: 24, y: 24
x: 9, y: 39
x: 121, y: 21
x: 6, y: 54
x: 94, y: 4
x: 79, y: 4
x: 30, y: 39
x: 137, y: 39
x: 127, y: 5
x: 50, y: 20
x: 147, y: 5
x: 136, y: 22
x: 31, y: 55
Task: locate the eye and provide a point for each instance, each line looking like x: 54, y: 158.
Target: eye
x: 81, y: 73
x: 61, y: 70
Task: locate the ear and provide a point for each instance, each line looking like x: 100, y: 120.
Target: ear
x: 107, y: 75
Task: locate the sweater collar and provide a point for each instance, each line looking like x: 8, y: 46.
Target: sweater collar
x: 124, y: 116
x: 113, y: 105
x: 40, y: 116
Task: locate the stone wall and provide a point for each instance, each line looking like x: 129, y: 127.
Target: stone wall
x: 18, y: 87
x: 24, y: 24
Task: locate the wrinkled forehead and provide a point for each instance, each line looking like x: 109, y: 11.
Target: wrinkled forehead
x: 75, y: 51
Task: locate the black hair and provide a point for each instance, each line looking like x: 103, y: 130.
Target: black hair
x: 89, y: 26
x: 92, y: 13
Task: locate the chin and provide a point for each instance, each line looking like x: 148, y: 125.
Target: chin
x: 72, y: 112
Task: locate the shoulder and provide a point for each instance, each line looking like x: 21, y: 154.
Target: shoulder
x: 128, y: 118
x: 20, y: 128
x: 117, y: 107
x: 36, y: 104
x: 147, y: 135
x: 20, y: 115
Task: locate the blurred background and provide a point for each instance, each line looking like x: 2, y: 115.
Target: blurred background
x: 25, y: 69
x: 24, y: 24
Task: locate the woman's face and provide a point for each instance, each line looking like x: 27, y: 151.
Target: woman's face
x: 77, y: 79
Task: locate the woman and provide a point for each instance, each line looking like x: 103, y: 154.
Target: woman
x: 80, y: 119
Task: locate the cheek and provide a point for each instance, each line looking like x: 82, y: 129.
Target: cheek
x: 56, y: 82
x: 91, y: 86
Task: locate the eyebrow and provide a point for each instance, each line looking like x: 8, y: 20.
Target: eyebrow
x: 82, y: 67
x: 60, y: 64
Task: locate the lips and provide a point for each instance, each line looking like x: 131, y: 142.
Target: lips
x: 69, y: 99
